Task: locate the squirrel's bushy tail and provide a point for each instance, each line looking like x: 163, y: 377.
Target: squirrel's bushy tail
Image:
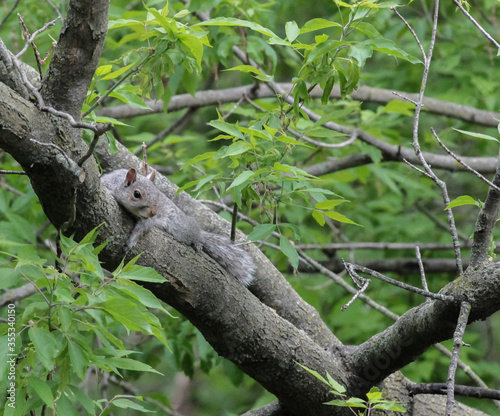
x: 230, y: 256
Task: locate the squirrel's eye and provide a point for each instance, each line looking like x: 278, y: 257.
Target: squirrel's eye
x: 137, y: 194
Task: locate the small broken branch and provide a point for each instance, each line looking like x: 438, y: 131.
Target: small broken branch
x: 463, y: 318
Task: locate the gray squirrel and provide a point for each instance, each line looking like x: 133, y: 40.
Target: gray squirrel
x: 152, y: 208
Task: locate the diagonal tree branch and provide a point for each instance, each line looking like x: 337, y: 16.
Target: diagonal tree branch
x: 485, y: 223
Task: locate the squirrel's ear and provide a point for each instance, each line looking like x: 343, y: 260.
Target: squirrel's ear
x: 152, y: 175
x: 131, y: 177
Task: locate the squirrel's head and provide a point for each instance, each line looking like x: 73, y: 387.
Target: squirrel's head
x: 142, y: 194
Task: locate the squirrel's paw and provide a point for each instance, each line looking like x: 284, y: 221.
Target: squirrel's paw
x: 130, y: 244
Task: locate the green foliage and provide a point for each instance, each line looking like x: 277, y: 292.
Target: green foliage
x: 374, y: 396
x: 69, y: 327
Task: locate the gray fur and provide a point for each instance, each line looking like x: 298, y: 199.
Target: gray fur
x: 140, y: 197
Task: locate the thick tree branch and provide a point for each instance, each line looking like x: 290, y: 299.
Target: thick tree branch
x: 76, y: 56
x: 363, y: 93
x: 431, y: 322
x: 486, y: 220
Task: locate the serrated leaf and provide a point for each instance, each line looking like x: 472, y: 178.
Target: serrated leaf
x: 117, y: 73
x: 129, y: 404
x: 250, y: 69
x: 242, y: 177
x: 130, y: 364
x: 141, y: 273
x: 289, y: 250
x: 361, y: 53
x: 340, y: 218
x: 477, y: 135
x: 45, y: 344
x: 318, y: 24
x: 235, y: 149
x: 231, y: 21
x: 330, y: 203
x: 227, y: 128
x: 462, y: 200
x: 291, y: 30
x: 319, y: 217
x: 43, y: 390
x: 103, y: 70
x: 261, y: 231
x: 78, y: 358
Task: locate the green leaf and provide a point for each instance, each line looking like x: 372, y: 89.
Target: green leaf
x: 462, y: 200
x: 127, y: 313
x: 257, y: 72
x: 141, y: 273
x: 289, y: 250
x: 79, y: 360
x: 291, y: 169
x: 117, y: 73
x: 130, y: 364
x: 319, y: 217
x: 286, y: 139
x: 330, y: 203
x: 235, y: 149
x: 291, y: 30
x: 103, y: 70
x: 318, y: 24
x: 45, y: 345
x: 340, y: 218
x: 129, y: 404
x: 389, y: 48
x: 477, y: 135
x: 261, y: 231
x: 361, y: 53
x: 83, y: 399
x: 231, y: 21
x: 230, y: 129
x: 242, y: 177
x: 43, y: 390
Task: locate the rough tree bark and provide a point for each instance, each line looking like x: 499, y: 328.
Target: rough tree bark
x: 264, y: 330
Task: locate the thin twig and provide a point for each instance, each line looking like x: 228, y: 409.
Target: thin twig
x: 422, y: 271
x: 454, y: 156
x: 464, y: 391
x: 486, y: 34
x: 457, y: 345
x: 416, y: 144
x: 351, y: 269
x: 31, y: 38
x: 412, y: 32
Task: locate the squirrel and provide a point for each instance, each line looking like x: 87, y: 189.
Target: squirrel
x: 140, y: 197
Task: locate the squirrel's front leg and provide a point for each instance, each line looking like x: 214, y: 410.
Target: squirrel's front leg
x: 140, y: 227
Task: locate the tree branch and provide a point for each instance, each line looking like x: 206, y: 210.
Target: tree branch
x: 76, y: 56
x: 363, y: 93
x: 485, y: 223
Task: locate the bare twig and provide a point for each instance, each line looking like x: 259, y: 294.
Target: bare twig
x: 464, y: 391
x: 352, y: 268
x: 30, y: 39
x: 413, y: 33
x: 457, y: 345
x: 467, y: 167
x: 481, y: 29
x: 416, y: 143
x: 90, y: 150
x: 422, y: 271
x: 9, y: 13
x: 377, y: 246
x: 12, y: 172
